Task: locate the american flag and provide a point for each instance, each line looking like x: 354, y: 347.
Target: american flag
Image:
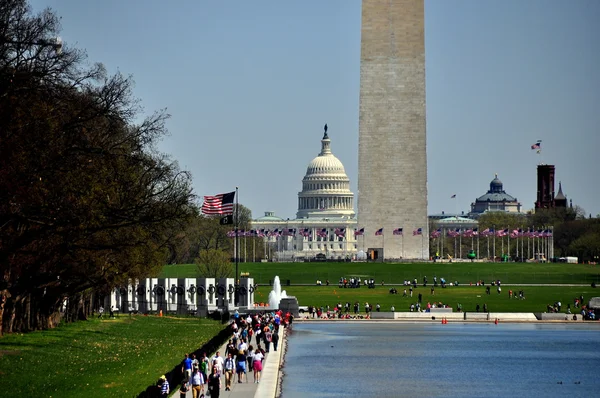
x: 537, y: 145
x: 514, y: 233
x: 453, y: 234
x: 306, y: 232
x: 221, y: 204
x: 341, y: 232
x: 502, y: 232
x: 231, y: 234
x: 379, y: 232
x: 398, y: 231
x: 322, y: 233
x: 475, y: 232
x: 468, y: 233
x: 261, y: 233
x: 359, y: 232
x: 418, y: 231
x: 437, y: 233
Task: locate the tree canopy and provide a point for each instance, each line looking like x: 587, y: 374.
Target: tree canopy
x: 86, y: 200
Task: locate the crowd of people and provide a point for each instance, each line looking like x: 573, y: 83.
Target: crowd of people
x: 253, y: 336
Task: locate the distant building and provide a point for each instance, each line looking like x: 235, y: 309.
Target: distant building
x: 496, y: 199
x: 545, y: 189
x: 325, y: 221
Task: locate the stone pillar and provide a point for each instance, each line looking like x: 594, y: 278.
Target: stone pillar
x: 392, y: 158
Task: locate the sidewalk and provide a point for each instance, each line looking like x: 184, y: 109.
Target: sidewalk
x: 267, y: 388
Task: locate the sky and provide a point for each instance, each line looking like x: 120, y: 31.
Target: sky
x: 250, y: 84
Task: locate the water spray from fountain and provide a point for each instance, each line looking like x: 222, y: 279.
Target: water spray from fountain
x: 276, y: 294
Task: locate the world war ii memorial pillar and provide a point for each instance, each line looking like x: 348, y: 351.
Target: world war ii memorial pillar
x: 392, y: 158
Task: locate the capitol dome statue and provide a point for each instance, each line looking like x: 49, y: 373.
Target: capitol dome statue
x: 325, y: 224
x: 325, y: 187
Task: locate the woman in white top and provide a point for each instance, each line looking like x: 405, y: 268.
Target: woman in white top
x: 257, y: 359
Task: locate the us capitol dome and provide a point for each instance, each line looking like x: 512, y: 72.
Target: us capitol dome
x: 325, y: 187
x: 325, y: 222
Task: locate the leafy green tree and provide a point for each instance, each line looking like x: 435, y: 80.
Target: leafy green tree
x: 214, y: 263
x: 86, y: 201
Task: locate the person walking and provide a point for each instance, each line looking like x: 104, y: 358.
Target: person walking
x: 214, y: 383
x: 197, y: 381
x: 257, y: 365
x: 229, y: 369
x: 164, y: 386
x: 241, y: 365
x: 275, y: 339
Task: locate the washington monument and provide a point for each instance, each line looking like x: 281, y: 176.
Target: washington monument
x: 392, y: 158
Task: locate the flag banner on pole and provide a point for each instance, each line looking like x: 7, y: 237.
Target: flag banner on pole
x: 231, y: 234
x: 398, y: 231
x: 536, y: 146
x: 379, y: 232
x: 437, y: 233
x: 418, y: 231
x: 475, y: 232
x: 227, y: 220
x: 221, y: 204
x: 341, y: 232
x: 359, y: 232
x: 322, y: 233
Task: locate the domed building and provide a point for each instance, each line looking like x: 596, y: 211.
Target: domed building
x: 325, y: 221
x: 325, y: 187
x: 496, y: 199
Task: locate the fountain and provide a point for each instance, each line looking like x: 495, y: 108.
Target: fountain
x: 276, y: 294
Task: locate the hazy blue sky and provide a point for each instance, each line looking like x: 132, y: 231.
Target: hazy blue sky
x: 250, y: 84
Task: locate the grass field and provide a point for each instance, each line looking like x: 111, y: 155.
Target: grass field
x: 99, y: 358
x: 308, y: 273
x: 536, y: 297
x: 302, y: 277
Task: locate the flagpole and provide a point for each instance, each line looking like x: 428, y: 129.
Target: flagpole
x: 237, y: 242
x: 383, y: 247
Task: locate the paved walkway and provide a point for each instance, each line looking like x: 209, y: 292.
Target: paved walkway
x: 267, y: 388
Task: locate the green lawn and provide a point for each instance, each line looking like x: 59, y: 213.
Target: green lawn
x: 536, y: 297
x: 99, y: 358
x: 308, y: 273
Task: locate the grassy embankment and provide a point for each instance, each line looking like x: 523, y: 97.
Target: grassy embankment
x: 511, y: 274
x: 99, y: 358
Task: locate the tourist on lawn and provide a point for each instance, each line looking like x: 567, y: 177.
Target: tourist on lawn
x: 257, y: 364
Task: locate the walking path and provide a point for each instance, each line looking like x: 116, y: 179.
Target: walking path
x: 267, y: 388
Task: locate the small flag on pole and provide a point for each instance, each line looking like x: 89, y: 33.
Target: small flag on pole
x: 537, y: 146
x: 227, y: 220
x: 359, y: 232
x: 398, y: 231
x: 418, y: 231
x: 218, y: 204
x: 379, y: 232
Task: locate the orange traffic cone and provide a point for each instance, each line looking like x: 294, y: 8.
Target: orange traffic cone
x: 160, y: 313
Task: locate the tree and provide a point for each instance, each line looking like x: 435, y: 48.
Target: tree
x: 86, y: 201
x: 214, y: 263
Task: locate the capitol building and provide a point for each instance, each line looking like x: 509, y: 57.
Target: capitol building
x: 325, y: 222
